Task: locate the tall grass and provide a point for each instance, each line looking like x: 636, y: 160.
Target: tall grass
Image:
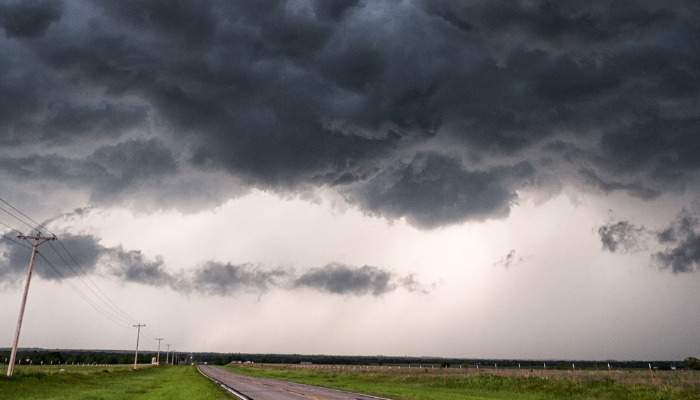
x: 426, y: 386
x: 109, y: 383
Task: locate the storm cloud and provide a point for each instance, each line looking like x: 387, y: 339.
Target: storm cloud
x: 341, y: 279
x: 221, y: 279
x: 682, y: 240
x: 444, y: 128
x: 29, y: 19
x: 14, y: 262
x: 622, y: 237
x: 87, y: 256
x: 434, y: 190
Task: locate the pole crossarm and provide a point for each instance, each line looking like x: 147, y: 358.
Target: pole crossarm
x: 38, y: 240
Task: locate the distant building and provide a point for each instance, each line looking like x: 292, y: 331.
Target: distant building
x: 305, y: 363
x: 153, y: 361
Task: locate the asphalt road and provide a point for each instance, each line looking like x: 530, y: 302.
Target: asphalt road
x: 250, y: 388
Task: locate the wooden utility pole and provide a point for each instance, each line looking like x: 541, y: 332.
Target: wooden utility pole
x: 38, y: 239
x: 138, y: 333
x: 158, y: 356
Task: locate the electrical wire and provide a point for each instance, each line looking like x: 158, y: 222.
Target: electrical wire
x: 116, y: 308
x: 81, y: 294
x: 4, y: 224
x: 25, y: 216
x: 113, y: 306
x: 17, y: 218
x: 117, y: 318
x: 127, y: 319
x: 16, y: 242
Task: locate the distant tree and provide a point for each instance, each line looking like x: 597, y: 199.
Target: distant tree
x: 692, y: 363
x: 465, y: 365
x: 445, y: 364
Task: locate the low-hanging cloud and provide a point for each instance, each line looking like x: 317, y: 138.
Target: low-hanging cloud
x: 682, y: 240
x: 14, y: 259
x: 622, y: 237
x: 342, y: 279
x: 223, y: 279
x: 212, y: 278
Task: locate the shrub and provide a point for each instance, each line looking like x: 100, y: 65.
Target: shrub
x: 692, y: 363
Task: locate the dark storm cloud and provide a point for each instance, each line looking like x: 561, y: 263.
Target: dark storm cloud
x: 133, y: 266
x: 622, y: 237
x: 342, y: 279
x: 84, y: 249
x: 211, y: 278
x: 29, y: 18
x: 14, y: 260
x: 561, y: 24
x: 67, y: 122
x: 221, y: 279
x: 682, y: 240
x: 633, y: 189
x: 107, y: 172
x: 291, y: 94
x: 434, y: 190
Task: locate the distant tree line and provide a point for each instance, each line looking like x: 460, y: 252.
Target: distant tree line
x: 49, y: 357
x: 221, y: 359
x: 127, y: 357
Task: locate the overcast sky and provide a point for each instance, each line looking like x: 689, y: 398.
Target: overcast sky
x: 514, y: 179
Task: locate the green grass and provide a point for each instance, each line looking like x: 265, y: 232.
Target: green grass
x: 88, y: 382
x: 471, y: 388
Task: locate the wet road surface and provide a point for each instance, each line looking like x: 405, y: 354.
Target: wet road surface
x: 250, y: 388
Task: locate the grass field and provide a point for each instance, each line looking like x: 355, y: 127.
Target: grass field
x: 452, y: 387
x: 99, y: 382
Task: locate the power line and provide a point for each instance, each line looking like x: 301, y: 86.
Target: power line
x: 116, y: 315
x: 2, y: 223
x: 113, y: 306
x: 25, y: 216
x: 127, y: 320
x: 16, y: 242
x: 17, y: 218
x: 81, y: 294
x: 119, y: 310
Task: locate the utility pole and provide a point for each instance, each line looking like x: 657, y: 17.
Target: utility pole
x: 138, y: 333
x: 167, y: 354
x: 158, y: 357
x: 38, y: 239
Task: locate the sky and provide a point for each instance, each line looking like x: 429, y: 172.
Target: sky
x: 477, y: 179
